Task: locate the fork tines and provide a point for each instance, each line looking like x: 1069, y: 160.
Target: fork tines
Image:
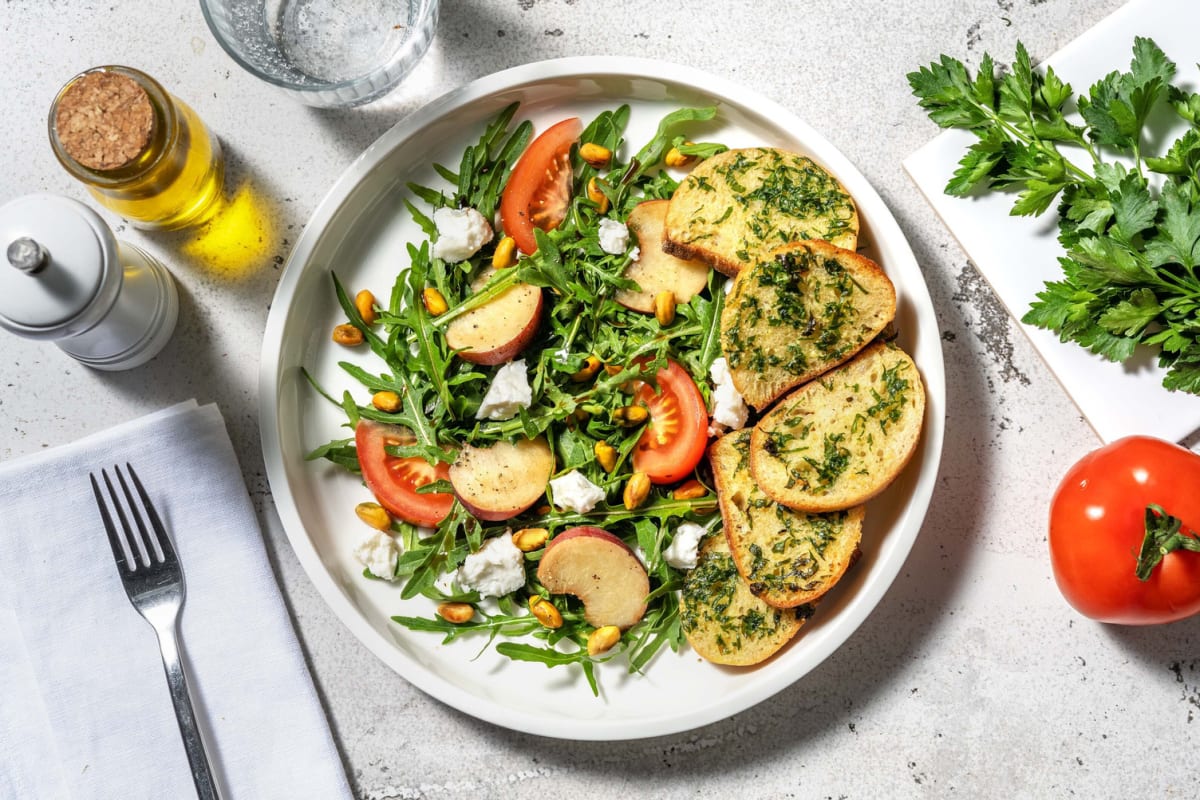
x: 138, y: 547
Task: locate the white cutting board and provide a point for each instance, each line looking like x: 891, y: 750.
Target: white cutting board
x: 1018, y: 254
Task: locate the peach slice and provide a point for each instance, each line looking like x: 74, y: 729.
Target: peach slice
x: 600, y: 570
x: 656, y: 271
x: 500, y: 329
x: 498, y: 482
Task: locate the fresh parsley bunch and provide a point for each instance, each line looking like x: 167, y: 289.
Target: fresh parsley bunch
x: 1131, y: 237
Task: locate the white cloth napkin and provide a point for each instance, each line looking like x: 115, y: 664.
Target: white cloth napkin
x: 84, y: 706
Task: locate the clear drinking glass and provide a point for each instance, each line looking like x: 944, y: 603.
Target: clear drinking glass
x: 326, y: 53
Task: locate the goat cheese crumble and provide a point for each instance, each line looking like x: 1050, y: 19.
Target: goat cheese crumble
x: 614, y: 236
x: 681, y: 553
x: 461, y: 232
x: 729, y: 408
x: 508, y: 394
x: 379, y: 554
x: 575, y: 492
x: 497, y: 569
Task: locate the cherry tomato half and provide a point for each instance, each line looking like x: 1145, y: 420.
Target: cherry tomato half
x: 1098, y: 522
x: 674, y: 439
x: 539, y: 189
x: 394, y: 481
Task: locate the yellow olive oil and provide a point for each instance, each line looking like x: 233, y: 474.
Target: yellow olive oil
x: 141, y: 152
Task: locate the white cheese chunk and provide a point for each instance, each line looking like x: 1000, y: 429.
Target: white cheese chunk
x: 729, y: 408
x: 681, y: 553
x: 379, y: 554
x: 461, y: 232
x: 508, y: 394
x: 497, y: 569
x: 614, y: 236
x: 575, y: 492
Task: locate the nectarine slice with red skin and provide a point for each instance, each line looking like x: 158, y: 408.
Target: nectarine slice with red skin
x: 501, y: 328
x: 498, y: 482
x: 601, y: 571
x: 657, y: 271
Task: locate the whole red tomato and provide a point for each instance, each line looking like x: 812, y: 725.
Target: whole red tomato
x: 1098, y: 521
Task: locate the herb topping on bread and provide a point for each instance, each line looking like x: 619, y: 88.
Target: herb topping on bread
x: 722, y: 620
x: 796, y: 313
x: 787, y: 557
x: 841, y: 439
x: 737, y: 206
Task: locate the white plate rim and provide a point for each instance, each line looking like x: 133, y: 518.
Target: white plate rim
x: 871, y: 207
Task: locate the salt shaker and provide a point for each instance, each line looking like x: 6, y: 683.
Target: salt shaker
x: 64, y: 276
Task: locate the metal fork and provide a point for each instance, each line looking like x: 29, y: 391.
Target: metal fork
x: 153, y: 581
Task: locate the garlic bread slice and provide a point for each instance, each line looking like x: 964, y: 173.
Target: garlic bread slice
x: 737, y: 206
x: 722, y: 620
x: 786, y: 557
x: 796, y: 313
x: 841, y: 439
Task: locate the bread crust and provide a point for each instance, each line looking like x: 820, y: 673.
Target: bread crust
x: 736, y: 206
x: 802, y: 310
x: 840, y: 440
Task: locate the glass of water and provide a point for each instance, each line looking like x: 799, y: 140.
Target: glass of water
x: 325, y: 53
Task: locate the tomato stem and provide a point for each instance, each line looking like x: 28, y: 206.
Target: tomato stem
x: 1164, y: 534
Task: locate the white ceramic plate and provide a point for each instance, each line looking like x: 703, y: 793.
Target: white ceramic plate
x: 360, y: 229
x: 1017, y: 255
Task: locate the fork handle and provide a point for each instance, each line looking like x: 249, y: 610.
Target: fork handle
x: 193, y: 743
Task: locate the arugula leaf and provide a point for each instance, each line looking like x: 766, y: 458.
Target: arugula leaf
x: 551, y: 658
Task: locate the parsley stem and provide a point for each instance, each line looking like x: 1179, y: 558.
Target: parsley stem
x: 1015, y: 133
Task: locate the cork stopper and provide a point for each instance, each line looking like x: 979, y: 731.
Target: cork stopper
x: 104, y: 120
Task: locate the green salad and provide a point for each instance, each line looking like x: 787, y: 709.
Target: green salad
x: 507, y: 385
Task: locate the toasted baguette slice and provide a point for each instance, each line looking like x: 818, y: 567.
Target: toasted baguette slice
x: 840, y: 440
x: 722, y: 620
x: 786, y: 557
x: 805, y: 308
x: 656, y: 271
x: 735, y: 207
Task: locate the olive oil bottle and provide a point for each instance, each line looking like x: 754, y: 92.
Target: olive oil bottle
x: 140, y: 151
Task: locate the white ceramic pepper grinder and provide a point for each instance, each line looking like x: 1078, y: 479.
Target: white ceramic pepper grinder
x: 65, y: 277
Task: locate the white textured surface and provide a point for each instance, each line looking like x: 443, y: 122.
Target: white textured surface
x: 972, y: 679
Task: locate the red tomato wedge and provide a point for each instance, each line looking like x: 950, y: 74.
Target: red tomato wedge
x: 539, y: 189
x: 394, y: 481
x: 674, y: 439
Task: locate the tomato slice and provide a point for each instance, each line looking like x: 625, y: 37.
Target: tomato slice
x: 394, y: 481
x: 673, y: 441
x: 539, y: 188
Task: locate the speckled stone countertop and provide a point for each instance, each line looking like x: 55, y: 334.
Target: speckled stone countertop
x: 972, y: 678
